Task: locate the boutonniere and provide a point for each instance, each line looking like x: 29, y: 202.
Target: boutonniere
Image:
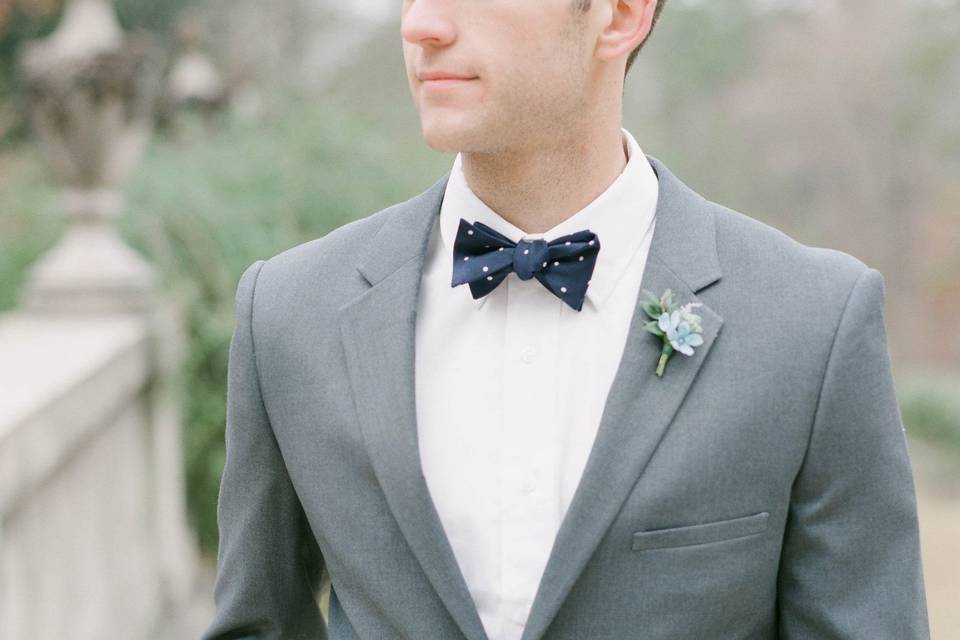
x: 674, y: 324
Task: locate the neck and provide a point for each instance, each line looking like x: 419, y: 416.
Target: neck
x: 536, y: 189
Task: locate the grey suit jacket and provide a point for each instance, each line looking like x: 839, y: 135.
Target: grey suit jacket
x: 760, y: 489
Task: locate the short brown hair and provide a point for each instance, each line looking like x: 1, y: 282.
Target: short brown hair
x: 584, y: 5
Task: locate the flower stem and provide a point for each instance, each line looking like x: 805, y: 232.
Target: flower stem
x: 664, y: 356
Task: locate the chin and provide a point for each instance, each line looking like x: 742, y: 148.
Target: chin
x: 442, y: 144
x: 445, y: 135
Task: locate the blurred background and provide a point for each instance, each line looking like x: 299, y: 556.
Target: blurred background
x: 151, y: 149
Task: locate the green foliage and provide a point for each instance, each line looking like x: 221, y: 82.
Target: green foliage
x: 21, y: 26
x: 157, y: 16
x: 17, y: 28
x: 205, y: 205
x: 31, y: 219
x: 715, y: 42
x: 930, y: 405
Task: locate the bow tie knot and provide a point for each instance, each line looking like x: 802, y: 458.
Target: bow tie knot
x: 529, y: 257
x: 483, y: 257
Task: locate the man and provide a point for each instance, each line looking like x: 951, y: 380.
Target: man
x: 464, y: 410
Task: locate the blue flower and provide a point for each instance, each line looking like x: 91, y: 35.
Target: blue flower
x: 679, y: 332
x: 678, y: 328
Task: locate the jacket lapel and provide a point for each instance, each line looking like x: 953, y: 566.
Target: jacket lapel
x: 378, y: 331
x: 640, y: 405
x: 378, y: 336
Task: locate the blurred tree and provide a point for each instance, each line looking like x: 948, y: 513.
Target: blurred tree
x: 20, y: 20
x: 838, y: 122
x: 844, y: 111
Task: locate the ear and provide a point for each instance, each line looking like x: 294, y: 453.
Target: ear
x: 628, y: 23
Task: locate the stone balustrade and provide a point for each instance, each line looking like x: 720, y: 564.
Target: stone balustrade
x: 94, y: 541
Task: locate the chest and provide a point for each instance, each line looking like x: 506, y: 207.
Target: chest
x: 511, y: 391
x: 519, y: 357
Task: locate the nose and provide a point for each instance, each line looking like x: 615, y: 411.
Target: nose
x: 425, y: 23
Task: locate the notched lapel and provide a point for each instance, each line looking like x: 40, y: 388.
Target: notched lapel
x: 378, y: 333
x: 640, y: 405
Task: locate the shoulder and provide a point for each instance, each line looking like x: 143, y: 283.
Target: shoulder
x: 780, y: 294
x: 755, y: 254
x: 331, y: 253
x: 308, y: 283
x: 315, y: 276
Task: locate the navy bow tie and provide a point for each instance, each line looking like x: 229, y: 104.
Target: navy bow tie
x: 483, y: 257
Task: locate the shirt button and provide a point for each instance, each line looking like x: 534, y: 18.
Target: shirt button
x: 528, y: 354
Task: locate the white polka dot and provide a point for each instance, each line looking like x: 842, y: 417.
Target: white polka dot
x: 485, y: 269
x: 581, y: 258
x: 567, y: 243
x: 469, y: 232
x: 590, y: 243
x: 556, y: 264
x: 486, y: 246
x: 465, y: 258
x: 500, y: 249
x: 544, y: 264
x: 489, y: 277
x: 526, y: 251
x: 563, y: 289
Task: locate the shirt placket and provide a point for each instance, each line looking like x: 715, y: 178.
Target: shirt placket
x: 529, y: 392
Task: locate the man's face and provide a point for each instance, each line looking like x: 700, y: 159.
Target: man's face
x: 528, y: 64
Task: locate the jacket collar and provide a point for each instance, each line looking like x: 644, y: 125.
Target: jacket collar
x: 684, y: 238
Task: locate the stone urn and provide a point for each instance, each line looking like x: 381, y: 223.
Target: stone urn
x: 91, y: 91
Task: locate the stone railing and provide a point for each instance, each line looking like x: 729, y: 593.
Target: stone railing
x: 94, y: 541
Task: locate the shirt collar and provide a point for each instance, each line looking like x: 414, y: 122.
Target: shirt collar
x: 620, y: 216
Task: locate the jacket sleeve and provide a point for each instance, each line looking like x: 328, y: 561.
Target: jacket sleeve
x: 850, y: 564
x: 268, y: 562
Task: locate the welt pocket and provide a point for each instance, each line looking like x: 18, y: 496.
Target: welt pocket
x: 717, y: 531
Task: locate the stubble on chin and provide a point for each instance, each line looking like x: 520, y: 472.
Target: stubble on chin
x: 466, y: 129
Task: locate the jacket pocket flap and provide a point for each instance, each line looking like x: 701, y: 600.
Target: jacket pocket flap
x: 701, y: 533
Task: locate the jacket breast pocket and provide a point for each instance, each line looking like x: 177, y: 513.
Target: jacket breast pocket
x: 707, y: 532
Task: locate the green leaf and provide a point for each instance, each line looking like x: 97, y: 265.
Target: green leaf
x: 653, y: 310
x: 653, y: 328
x: 654, y: 299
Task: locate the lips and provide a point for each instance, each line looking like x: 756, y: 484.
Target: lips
x: 443, y: 75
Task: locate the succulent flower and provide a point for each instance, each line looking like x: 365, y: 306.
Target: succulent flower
x: 677, y: 326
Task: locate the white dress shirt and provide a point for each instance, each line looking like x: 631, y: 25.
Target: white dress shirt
x: 510, y: 387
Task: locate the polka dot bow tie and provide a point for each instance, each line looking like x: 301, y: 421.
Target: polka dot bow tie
x: 483, y: 257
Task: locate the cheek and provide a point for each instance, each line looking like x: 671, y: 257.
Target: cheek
x: 532, y: 70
